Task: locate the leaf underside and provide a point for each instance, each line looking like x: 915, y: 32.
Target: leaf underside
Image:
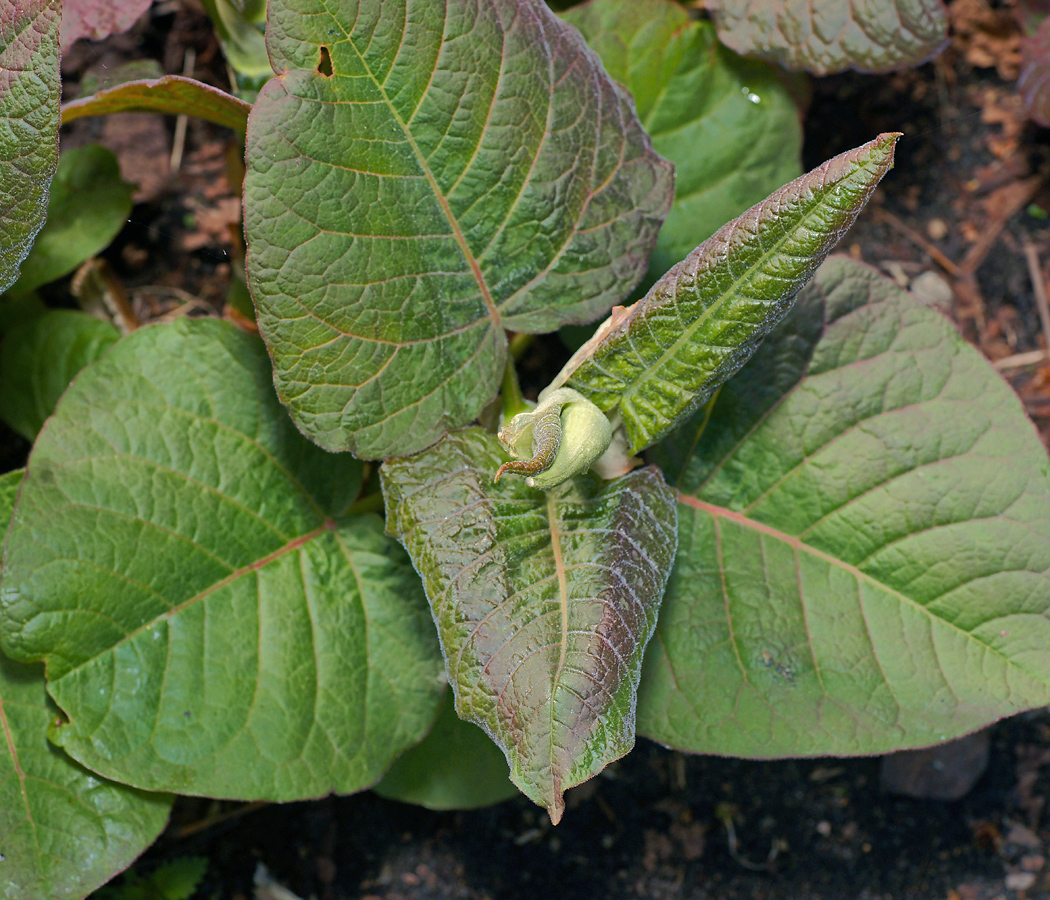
x: 826, y: 36
x: 702, y: 321
x: 864, y: 541
x: 172, y: 94
x: 422, y: 176
x: 63, y: 831
x: 213, y: 620
x: 29, y: 115
x: 544, y: 601
x: 690, y: 92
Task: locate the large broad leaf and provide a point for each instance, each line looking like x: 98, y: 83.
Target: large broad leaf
x: 544, y: 601
x: 691, y: 92
x: 39, y: 358
x: 212, y: 618
x: 171, y: 94
x: 826, y: 36
x: 29, y: 115
x: 422, y: 176
x: 455, y: 767
x: 63, y: 831
x: 88, y: 206
x: 98, y: 19
x: 667, y: 354
x: 864, y: 541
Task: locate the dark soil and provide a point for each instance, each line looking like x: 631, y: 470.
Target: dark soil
x: 967, y: 198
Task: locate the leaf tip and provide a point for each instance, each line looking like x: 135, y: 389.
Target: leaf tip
x: 557, y: 808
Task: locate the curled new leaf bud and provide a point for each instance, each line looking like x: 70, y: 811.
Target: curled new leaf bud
x: 563, y: 436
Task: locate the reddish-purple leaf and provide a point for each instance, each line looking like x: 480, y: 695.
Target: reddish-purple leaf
x: 96, y: 19
x: 171, y: 94
x: 825, y: 36
x: 1034, y: 82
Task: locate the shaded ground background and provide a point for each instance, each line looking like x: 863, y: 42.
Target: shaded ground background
x: 963, y: 222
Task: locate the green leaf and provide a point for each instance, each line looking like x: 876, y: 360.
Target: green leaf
x: 172, y: 94
x: 29, y: 114
x: 666, y: 355
x: 455, y: 767
x: 63, y: 831
x: 544, y: 601
x: 213, y: 619
x: 462, y: 170
x: 826, y: 36
x: 39, y: 358
x: 864, y: 541
x: 89, y: 205
x: 692, y: 92
x: 175, y: 880
x: 241, y: 26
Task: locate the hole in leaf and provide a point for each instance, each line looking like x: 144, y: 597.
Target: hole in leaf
x: 324, y: 67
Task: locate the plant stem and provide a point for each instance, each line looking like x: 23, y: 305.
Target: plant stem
x: 513, y: 402
x: 368, y: 504
x: 519, y: 344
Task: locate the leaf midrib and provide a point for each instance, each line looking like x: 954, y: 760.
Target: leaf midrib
x: 800, y: 546
x: 734, y: 289
x: 20, y: 773
x: 255, y: 566
x: 457, y: 232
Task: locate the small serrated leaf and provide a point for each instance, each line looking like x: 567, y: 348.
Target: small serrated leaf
x: 544, y: 601
x: 213, y: 619
x: 420, y: 177
x: 666, y: 355
x: 171, y: 94
x: 864, y: 541
x: 826, y: 36
x: 29, y: 116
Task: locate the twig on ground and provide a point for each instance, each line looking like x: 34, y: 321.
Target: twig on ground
x: 178, y: 143
x: 208, y: 821
x: 1020, y: 360
x: 935, y: 253
x: 1035, y: 272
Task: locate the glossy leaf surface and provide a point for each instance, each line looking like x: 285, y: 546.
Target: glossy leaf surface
x: 40, y: 357
x: 29, y: 101
x: 98, y: 19
x: 172, y: 94
x: 691, y: 92
x: 864, y: 541
x: 63, y: 831
x: 825, y: 36
x: 421, y: 177
x: 544, y: 601
x: 455, y: 767
x: 667, y: 354
x: 88, y: 206
x: 213, y: 619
